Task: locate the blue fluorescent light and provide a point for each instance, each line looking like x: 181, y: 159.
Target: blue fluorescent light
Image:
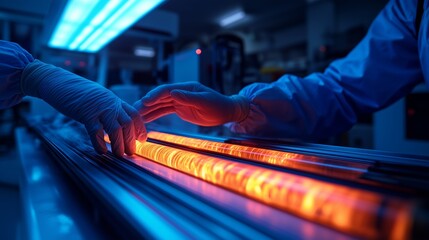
x: 233, y: 18
x: 88, y: 25
x: 141, y: 51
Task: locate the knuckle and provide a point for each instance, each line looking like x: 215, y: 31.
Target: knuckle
x: 133, y: 113
x: 92, y: 128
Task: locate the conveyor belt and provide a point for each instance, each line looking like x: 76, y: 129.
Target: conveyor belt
x: 243, y: 191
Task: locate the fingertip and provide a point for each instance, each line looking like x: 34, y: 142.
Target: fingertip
x: 101, y: 150
x: 139, y: 126
x: 130, y: 146
x: 99, y: 144
x: 142, y: 137
x: 131, y: 150
x: 141, y: 132
x: 118, y: 152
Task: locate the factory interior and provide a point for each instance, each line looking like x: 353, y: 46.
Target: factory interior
x: 367, y: 180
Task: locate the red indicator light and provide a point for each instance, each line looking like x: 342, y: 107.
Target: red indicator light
x: 198, y: 51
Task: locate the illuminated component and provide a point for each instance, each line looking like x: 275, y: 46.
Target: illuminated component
x: 89, y: 25
x: 141, y: 51
x: 232, y: 18
x: 340, y: 169
x: 359, y: 212
x: 198, y: 51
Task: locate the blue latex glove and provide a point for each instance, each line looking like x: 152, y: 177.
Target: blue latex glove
x: 194, y: 103
x: 89, y: 103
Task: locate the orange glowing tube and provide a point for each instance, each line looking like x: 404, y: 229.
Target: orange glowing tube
x: 359, y: 212
x: 346, y: 209
x: 339, y: 169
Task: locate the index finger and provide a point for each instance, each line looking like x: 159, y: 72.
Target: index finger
x: 162, y: 93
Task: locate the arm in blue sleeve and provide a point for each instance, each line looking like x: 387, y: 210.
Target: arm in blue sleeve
x: 13, y: 60
x: 381, y: 69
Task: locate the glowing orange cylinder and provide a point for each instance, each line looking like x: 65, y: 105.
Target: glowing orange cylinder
x: 350, y: 210
x: 354, y: 211
x: 313, y: 164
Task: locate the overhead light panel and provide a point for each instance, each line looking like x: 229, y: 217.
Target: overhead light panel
x: 88, y: 25
x: 232, y: 18
x: 144, y: 52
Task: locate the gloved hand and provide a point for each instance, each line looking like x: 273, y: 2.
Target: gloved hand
x: 89, y: 103
x: 193, y: 102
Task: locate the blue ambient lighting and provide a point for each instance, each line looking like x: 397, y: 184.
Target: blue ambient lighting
x: 232, y: 18
x: 88, y: 25
x: 141, y: 51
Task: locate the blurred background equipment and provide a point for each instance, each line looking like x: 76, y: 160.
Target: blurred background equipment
x: 227, y: 64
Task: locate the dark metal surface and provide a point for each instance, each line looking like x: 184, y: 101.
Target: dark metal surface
x: 50, y: 206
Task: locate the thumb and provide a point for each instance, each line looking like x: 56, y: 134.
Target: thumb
x: 188, y: 98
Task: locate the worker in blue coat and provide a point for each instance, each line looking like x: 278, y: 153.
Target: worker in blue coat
x: 79, y: 98
x: 386, y: 65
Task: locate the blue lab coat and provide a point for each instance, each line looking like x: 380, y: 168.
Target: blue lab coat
x: 385, y: 66
x: 13, y: 60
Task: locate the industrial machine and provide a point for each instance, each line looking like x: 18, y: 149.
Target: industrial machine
x: 401, y: 126
x: 179, y: 186
x: 219, y: 66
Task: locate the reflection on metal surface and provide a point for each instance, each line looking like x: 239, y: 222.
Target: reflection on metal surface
x: 50, y: 208
x: 36, y: 174
x: 65, y: 223
x: 355, y: 211
x: 272, y: 219
x: 340, y: 169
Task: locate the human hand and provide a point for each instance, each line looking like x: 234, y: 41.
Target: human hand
x: 193, y: 102
x: 87, y: 102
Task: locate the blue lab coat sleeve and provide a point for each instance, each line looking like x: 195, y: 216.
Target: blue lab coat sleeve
x: 381, y: 69
x: 13, y: 60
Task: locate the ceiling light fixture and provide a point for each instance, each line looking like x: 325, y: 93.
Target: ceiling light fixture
x: 88, y: 26
x: 232, y: 18
x: 144, y: 51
